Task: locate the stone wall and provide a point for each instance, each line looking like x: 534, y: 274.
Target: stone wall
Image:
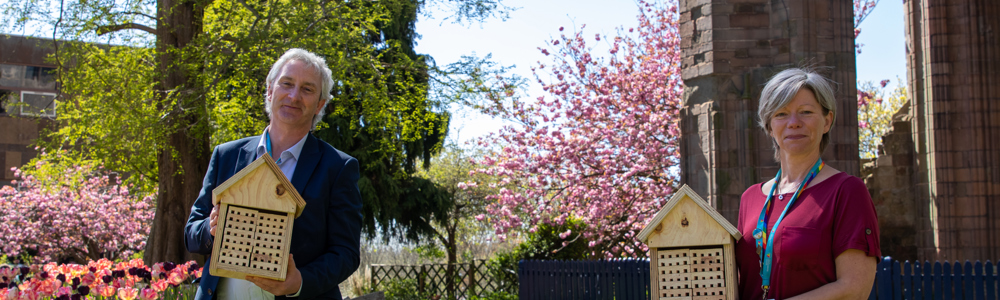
x: 890, y: 180
x: 730, y: 49
x: 953, y: 57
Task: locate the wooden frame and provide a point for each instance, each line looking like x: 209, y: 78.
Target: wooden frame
x: 691, y: 251
x: 257, y: 209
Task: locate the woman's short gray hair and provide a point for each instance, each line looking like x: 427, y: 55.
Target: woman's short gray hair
x: 311, y: 59
x: 781, y: 89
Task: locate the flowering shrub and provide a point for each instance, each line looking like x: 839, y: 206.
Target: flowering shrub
x: 101, y: 279
x: 601, y: 148
x: 93, y: 219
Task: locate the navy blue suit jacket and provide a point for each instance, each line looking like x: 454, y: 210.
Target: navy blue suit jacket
x: 325, y: 238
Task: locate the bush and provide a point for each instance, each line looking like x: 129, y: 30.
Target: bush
x: 405, y: 289
x: 498, y: 295
x: 81, y: 214
x: 549, y: 242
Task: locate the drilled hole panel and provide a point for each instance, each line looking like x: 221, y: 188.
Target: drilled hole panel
x: 690, y: 273
x: 254, y: 242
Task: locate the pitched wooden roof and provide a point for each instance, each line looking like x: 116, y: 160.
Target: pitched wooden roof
x: 676, y: 198
x: 267, y: 162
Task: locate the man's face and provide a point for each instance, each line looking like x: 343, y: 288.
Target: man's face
x: 295, y: 96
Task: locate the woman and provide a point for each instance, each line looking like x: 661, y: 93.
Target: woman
x: 826, y: 243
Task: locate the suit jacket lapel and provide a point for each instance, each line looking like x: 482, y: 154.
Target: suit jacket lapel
x: 308, y: 159
x: 248, y: 153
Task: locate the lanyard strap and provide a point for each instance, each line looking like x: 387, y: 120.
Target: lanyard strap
x: 267, y: 145
x: 765, y: 241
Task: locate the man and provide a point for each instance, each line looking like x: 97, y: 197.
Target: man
x: 326, y: 237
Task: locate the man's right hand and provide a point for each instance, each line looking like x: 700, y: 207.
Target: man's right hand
x: 213, y: 219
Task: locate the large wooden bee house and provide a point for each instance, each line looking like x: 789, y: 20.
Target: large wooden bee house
x: 691, y: 250
x: 257, y: 207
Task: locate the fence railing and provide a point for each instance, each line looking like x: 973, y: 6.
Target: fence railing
x: 618, y: 279
x: 467, y: 279
x: 629, y: 279
x: 938, y: 280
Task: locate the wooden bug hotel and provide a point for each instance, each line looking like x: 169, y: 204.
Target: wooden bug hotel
x: 257, y: 207
x: 691, y: 250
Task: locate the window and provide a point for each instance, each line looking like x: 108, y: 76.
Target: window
x: 27, y: 76
x: 11, y: 75
x: 38, y: 104
x: 40, y: 78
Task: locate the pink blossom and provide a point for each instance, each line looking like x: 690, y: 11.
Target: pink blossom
x: 62, y: 222
x: 160, y: 285
x: 128, y: 293
x: 601, y: 146
x: 148, y: 294
x: 105, y: 290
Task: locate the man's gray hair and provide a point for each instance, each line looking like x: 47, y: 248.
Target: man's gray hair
x: 781, y: 89
x: 311, y: 59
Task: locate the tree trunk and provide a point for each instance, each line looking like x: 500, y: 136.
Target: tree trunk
x: 184, y: 160
x: 450, y: 247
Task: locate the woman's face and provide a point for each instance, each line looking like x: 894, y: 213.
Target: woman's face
x: 798, y: 127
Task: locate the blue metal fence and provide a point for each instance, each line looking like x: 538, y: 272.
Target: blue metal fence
x: 623, y: 279
x: 938, y: 280
x: 617, y: 279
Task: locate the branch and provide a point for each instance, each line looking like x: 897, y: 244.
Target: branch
x: 256, y: 14
x: 152, y: 18
x: 102, y: 30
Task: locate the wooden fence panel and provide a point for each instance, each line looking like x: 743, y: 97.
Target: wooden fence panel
x: 624, y: 279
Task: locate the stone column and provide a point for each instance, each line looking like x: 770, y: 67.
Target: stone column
x: 953, y: 60
x: 731, y: 48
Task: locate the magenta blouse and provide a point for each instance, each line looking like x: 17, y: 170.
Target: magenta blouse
x: 830, y: 217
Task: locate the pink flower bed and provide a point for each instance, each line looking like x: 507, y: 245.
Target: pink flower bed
x: 101, y: 279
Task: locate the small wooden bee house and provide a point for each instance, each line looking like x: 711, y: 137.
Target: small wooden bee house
x: 257, y: 208
x: 691, y: 250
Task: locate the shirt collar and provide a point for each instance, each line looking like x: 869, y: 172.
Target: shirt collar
x: 294, y: 151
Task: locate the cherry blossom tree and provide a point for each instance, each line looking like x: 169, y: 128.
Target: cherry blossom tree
x: 602, y: 146
x: 82, y: 213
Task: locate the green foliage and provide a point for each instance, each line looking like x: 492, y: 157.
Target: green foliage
x: 429, y: 251
x: 495, y: 295
x: 543, y: 244
x: 450, y: 171
x: 122, y: 105
x: 875, y: 112
x: 113, y: 117
x: 405, y: 289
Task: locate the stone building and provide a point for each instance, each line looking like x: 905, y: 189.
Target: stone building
x: 27, y: 93
x: 937, y: 180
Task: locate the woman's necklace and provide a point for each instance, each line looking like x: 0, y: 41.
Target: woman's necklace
x: 765, y: 240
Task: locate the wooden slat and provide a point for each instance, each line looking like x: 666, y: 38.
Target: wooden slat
x: 918, y: 281
x: 907, y: 281
x: 938, y: 285
x: 946, y: 281
x: 979, y: 291
x: 968, y: 292
x: 897, y: 291
x: 989, y: 280
x: 883, y: 279
x: 929, y: 282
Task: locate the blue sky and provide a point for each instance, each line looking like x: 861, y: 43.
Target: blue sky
x: 515, y: 42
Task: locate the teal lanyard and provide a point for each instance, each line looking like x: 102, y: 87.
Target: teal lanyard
x: 267, y: 145
x: 765, y: 241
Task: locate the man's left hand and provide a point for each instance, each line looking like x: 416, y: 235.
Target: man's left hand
x: 291, y: 285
